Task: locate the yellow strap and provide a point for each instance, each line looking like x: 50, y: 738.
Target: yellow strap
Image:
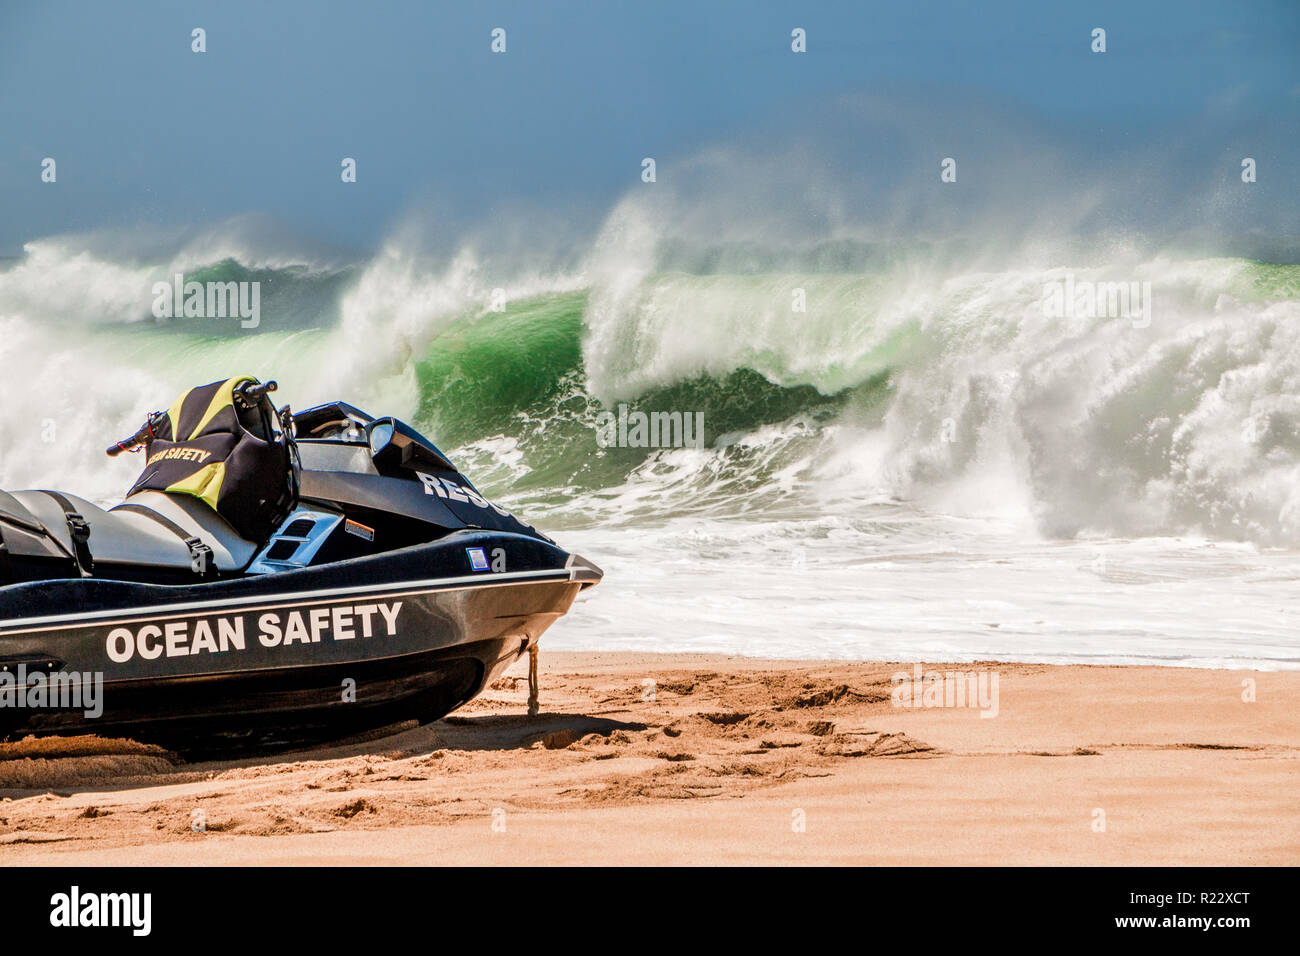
x: 225, y: 396
x: 174, y: 416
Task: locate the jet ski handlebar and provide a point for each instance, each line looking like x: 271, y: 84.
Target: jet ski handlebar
x: 145, y: 433
x: 251, y: 393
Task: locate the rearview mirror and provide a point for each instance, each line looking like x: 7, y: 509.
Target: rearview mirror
x: 394, y: 444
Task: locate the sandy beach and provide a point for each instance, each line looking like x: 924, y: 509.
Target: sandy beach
x: 682, y: 759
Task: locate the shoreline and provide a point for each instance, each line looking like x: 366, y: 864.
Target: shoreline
x: 697, y: 758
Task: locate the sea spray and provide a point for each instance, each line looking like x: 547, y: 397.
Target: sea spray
x: 946, y: 387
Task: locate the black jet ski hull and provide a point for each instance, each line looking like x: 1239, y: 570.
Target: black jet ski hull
x: 276, y: 660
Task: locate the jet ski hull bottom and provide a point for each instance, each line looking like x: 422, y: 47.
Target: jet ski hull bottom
x: 287, y: 659
x: 265, y: 712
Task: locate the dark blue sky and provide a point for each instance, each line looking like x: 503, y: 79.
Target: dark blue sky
x: 145, y: 132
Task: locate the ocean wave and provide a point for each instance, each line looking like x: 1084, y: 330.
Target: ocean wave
x: 827, y: 374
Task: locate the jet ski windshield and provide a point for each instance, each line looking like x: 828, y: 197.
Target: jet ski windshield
x: 337, y: 421
x: 393, y: 444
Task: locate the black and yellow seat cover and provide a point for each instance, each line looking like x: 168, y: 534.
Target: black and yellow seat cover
x: 211, y: 447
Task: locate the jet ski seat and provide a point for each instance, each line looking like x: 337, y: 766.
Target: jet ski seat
x: 149, y: 530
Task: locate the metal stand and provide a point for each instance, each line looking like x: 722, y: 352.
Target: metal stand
x: 532, y: 681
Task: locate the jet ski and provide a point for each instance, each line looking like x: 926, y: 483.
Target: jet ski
x: 272, y: 579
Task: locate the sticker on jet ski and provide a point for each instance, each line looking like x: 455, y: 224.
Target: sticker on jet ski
x: 448, y: 489
x: 452, y: 492
x: 179, y: 454
x: 272, y: 629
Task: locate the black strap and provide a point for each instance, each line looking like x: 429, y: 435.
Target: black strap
x: 201, y: 558
x: 27, y: 524
x: 79, y: 531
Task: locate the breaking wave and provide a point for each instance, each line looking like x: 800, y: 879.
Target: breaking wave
x: 830, y: 374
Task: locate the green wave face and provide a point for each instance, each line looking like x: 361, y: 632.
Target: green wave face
x: 516, y: 381
x: 479, y: 376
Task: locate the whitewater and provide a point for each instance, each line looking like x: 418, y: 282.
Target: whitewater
x: 920, y: 465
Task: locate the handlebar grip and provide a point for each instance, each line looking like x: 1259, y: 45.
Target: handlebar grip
x: 251, y: 393
x: 136, y: 440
